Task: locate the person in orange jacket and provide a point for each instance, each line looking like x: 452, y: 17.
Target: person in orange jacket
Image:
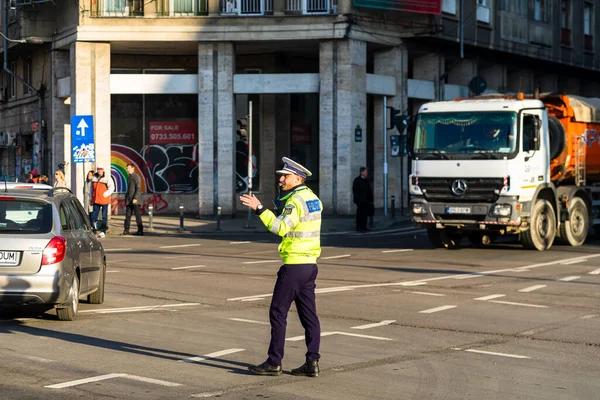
x: 102, y: 188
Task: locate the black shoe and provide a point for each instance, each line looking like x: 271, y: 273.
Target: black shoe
x: 265, y: 369
x: 310, y: 368
x: 125, y: 233
x: 138, y: 233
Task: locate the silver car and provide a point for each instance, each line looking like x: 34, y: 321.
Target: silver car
x: 48, y: 252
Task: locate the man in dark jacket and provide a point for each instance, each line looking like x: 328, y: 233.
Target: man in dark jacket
x: 133, y: 198
x: 363, y: 198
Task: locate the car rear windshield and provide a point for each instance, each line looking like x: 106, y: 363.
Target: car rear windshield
x: 25, y: 216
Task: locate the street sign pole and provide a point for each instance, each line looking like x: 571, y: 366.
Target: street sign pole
x: 248, y: 223
x: 385, y: 161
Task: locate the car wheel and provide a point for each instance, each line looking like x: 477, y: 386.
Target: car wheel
x: 98, y: 296
x: 68, y: 313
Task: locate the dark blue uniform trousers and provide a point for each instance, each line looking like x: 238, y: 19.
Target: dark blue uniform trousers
x: 295, y: 283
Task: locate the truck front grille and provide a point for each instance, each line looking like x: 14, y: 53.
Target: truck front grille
x: 484, y: 190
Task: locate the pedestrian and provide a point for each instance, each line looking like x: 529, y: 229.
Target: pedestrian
x: 133, y: 198
x: 59, y: 179
x: 43, y: 179
x: 363, y: 198
x: 102, y: 189
x: 35, y: 175
x: 299, y: 224
x: 29, y: 178
x: 88, y: 204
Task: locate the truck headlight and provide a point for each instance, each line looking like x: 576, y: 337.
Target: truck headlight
x: 419, y: 208
x: 502, y: 210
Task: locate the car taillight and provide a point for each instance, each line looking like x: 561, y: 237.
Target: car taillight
x: 55, y: 251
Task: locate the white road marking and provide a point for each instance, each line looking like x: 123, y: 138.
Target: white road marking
x: 333, y: 289
x: 250, y: 321
x: 532, y: 288
x: 492, y: 353
x: 438, y: 278
x: 334, y: 257
x: 375, y: 325
x: 589, y: 316
x: 242, y: 242
x: 111, y: 376
x: 112, y: 271
x: 573, y: 262
x: 180, y: 245
x: 569, y: 278
x: 38, y: 359
x: 211, y: 355
x: 111, y: 250
x: 135, y: 309
x: 254, y: 299
x: 595, y: 272
x: 190, y: 267
x: 207, y: 394
x: 262, y: 261
x: 424, y: 293
x: 396, y: 251
x: 468, y: 276
x: 298, y: 338
x: 510, y: 303
x: 436, y: 309
x: 490, y: 297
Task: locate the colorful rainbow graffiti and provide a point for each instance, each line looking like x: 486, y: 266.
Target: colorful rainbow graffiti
x: 120, y: 156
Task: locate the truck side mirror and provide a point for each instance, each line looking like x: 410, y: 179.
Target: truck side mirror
x: 411, y: 124
x: 537, y: 125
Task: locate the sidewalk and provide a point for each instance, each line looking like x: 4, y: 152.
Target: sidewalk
x: 170, y: 224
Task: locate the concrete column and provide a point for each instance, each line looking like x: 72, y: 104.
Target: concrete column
x: 520, y: 81
x: 430, y: 67
x: 216, y: 160
x: 342, y: 110
x: 58, y: 153
x: 394, y: 63
x: 462, y: 73
x: 90, y: 95
x: 214, y: 8
x: 496, y: 78
x: 268, y: 160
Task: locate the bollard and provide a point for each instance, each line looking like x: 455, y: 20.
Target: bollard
x: 218, y: 218
x: 393, y: 207
x: 181, y: 218
x: 150, y: 214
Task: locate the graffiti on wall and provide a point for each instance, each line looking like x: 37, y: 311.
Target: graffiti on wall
x: 158, y: 202
x: 164, y: 169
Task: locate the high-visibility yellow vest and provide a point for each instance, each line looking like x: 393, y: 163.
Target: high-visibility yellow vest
x: 300, y: 226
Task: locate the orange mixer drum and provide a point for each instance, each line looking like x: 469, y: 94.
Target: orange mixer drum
x: 573, y: 120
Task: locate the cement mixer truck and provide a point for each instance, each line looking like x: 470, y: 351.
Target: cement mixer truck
x: 526, y: 165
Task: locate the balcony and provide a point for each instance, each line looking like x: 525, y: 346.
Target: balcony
x: 483, y: 13
x: 565, y: 36
x: 540, y: 33
x: 117, y: 8
x: 177, y: 8
x: 313, y: 7
x: 247, y: 7
x: 588, y: 42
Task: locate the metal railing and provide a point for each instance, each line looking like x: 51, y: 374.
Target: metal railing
x: 117, y: 8
x: 312, y: 6
x: 181, y: 7
x: 247, y: 7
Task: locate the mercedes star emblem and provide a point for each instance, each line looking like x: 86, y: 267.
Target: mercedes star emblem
x: 459, y: 187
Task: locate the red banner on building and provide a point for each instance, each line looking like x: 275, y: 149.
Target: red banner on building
x: 173, y: 132
x: 301, y: 134
x: 415, y: 6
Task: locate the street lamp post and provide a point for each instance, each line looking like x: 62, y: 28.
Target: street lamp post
x: 39, y: 92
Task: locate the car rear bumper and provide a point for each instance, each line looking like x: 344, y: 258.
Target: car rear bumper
x: 51, y: 285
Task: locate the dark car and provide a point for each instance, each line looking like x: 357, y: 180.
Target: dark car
x: 48, y: 252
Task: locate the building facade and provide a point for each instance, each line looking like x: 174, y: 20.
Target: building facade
x: 169, y: 84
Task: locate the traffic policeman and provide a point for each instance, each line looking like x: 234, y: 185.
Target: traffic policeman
x: 299, y: 224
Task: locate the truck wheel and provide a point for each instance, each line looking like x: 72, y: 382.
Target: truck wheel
x: 451, y: 238
x: 575, y: 230
x: 435, y: 237
x: 542, y: 227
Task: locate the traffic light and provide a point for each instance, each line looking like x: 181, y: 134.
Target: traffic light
x: 398, y: 120
x: 242, y: 130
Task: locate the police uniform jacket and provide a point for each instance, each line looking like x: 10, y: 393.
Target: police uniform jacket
x: 300, y: 226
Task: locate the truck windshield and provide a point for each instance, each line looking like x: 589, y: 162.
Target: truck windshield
x: 481, y: 134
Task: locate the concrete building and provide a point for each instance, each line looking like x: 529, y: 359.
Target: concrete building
x: 167, y: 80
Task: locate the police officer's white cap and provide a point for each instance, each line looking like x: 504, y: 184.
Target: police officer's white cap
x: 291, y: 167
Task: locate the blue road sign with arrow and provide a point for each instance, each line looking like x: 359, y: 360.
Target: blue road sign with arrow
x: 82, y: 138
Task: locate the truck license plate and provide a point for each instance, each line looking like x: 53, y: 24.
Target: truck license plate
x: 458, y: 210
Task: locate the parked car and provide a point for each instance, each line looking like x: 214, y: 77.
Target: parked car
x: 48, y: 252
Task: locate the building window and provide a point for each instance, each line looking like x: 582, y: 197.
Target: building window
x: 28, y: 75
x: 449, y: 6
x: 565, y: 22
x: 542, y: 10
x: 514, y: 6
x: 484, y: 8
x: 588, y: 26
x: 12, y: 81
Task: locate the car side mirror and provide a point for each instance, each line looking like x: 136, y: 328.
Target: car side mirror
x: 100, y: 225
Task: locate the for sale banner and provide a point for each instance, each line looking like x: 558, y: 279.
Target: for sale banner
x: 173, y: 132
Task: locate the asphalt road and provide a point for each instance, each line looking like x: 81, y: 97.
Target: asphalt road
x: 185, y: 316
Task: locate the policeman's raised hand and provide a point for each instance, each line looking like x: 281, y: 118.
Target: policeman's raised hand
x: 250, y: 201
